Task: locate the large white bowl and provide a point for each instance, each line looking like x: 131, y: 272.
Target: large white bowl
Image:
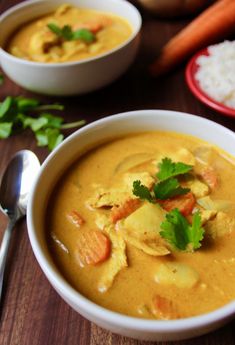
x: 54, y: 166
x: 72, y: 77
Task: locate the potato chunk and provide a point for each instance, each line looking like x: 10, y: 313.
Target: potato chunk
x: 147, y: 218
x: 141, y: 229
x: 178, y: 274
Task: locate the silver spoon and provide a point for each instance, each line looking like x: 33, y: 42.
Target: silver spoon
x: 15, y: 185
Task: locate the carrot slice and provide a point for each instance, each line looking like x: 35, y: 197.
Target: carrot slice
x: 75, y: 218
x: 93, y: 247
x: 185, y: 203
x: 124, y: 210
x: 211, y: 26
x: 163, y: 308
x: 210, y: 177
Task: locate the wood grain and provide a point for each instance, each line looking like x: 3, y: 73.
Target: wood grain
x: 32, y: 313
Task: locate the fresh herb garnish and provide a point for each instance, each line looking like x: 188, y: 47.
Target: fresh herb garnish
x: 19, y: 113
x: 66, y: 33
x: 168, y: 186
x: 1, y: 79
x: 168, y: 189
x: 162, y: 190
x: 168, y: 169
x: 142, y: 191
x: 180, y: 233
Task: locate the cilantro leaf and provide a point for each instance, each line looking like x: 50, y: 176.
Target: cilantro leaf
x: 168, y: 169
x: 179, y: 233
x: 5, y: 106
x: 168, y: 189
x: 51, y: 120
x: 35, y: 124
x: 5, y: 129
x: 50, y: 137
x: 84, y: 35
x: 142, y: 191
x: 55, y: 29
x: 68, y: 34
x: 18, y: 113
x: 24, y: 104
x: 1, y: 79
x: 196, y: 231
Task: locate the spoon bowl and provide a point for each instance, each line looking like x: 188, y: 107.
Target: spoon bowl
x: 15, y: 185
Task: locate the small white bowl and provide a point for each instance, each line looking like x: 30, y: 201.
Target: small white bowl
x: 72, y: 77
x: 70, y: 150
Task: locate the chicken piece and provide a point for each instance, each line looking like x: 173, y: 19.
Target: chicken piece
x: 144, y: 177
x: 215, y: 204
x: 115, y: 263
x: 124, y: 210
x: 205, y: 154
x: 221, y: 225
x: 42, y: 41
x: 108, y: 198
x: 198, y: 188
x: 102, y: 220
x: 181, y: 155
x: 141, y: 229
x: 149, y: 244
x: 185, y: 156
x: 207, y: 215
x: 116, y: 196
x: 209, y: 176
x: 62, y: 9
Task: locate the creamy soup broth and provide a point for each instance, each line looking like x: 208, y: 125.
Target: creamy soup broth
x: 34, y: 41
x: 140, y: 284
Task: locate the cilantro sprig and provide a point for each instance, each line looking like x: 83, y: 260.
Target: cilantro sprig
x: 20, y: 113
x: 162, y: 190
x: 66, y: 33
x: 168, y: 186
x: 168, y: 169
x: 180, y: 233
x: 168, y: 189
x: 142, y: 192
x: 176, y: 229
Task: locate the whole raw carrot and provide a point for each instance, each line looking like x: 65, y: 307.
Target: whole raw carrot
x: 212, y: 25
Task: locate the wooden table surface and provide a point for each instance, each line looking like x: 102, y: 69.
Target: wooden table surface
x: 31, y: 312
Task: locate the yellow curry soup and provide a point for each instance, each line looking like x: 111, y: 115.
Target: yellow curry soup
x: 69, y: 34
x: 113, y: 238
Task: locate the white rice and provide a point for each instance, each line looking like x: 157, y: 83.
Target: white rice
x: 216, y: 73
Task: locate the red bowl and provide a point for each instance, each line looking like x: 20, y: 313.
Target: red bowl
x: 194, y: 86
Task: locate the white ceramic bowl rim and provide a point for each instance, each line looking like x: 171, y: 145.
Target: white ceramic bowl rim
x: 28, y: 3
x: 172, y: 326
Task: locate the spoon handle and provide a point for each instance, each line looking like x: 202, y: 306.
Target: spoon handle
x: 4, y: 250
